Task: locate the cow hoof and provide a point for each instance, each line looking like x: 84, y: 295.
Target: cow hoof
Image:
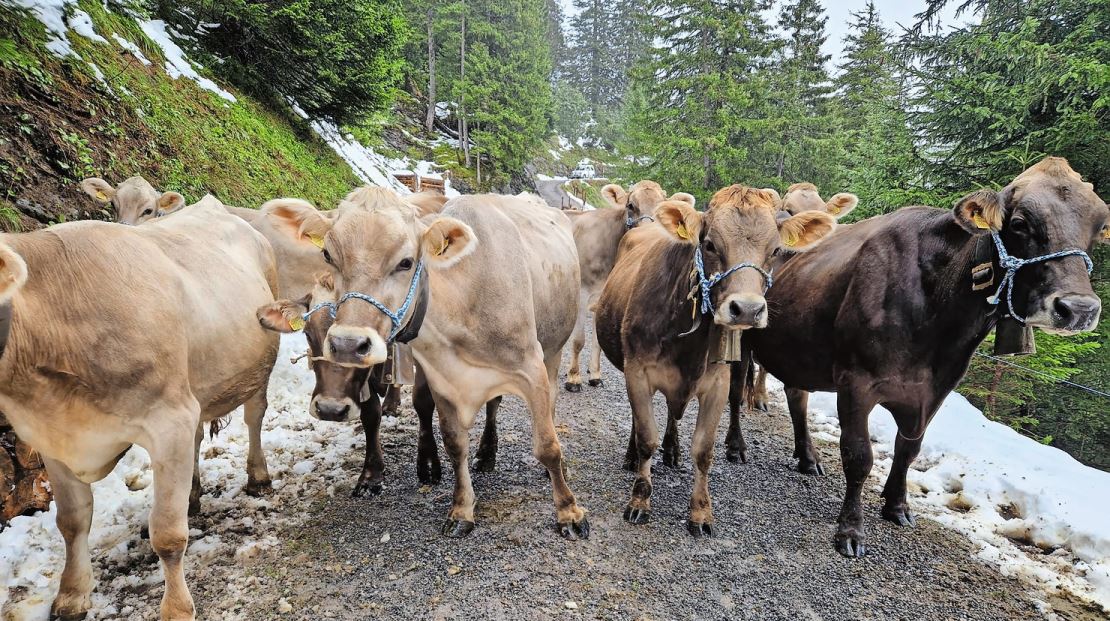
x: 899, y: 515
x: 73, y: 616
x: 636, y: 515
x: 70, y: 607
x: 597, y: 382
x: 736, y: 455
x: 573, y: 531
x: 573, y: 387
x: 429, y: 473
x: 672, y: 458
x: 630, y: 465
x: 259, y: 488
x: 485, y: 463
x: 457, y: 529
x: 850, y: 545
x: 761, y: 405
x: 698, y: 530
x: 361, y: 489
x: 812, y: 468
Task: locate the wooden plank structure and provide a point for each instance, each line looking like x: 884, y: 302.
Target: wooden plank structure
x: 23, y: 484
x: 417, y: 183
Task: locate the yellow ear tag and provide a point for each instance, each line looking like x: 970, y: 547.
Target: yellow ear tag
x: 101, y: 195
x: 834, y: 210
x: 682, y: 232
x: 791, y: 241
x: 980, y: 221
x: 1106, y: 233
x: 296, y: 323
x: 317, y: 240
x: 443, y: 247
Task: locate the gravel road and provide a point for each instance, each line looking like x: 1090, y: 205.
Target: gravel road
x: 552, y: 191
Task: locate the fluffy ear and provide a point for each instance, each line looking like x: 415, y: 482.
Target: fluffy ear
x: 979, y: 212
x: 803, y: 231
x: 684, y: 197
x: 446, y: 242
x: 841, y: 204
x: 99, y: 189
x: 774, y: 195
x: 298, y: 219
x: 615, y: 194
x: 682, y: 220
x: 170, y: 202
x: 13, y: 273
x: 325, y: 280
x: 283, y: 315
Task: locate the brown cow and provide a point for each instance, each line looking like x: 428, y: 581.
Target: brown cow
x: 597, y: 234
x: 645, y: 309
x: 342, y: 390
x: 889, y: 311
x: 83, y: 376
x: 135, y: 200
x: 498, y: 277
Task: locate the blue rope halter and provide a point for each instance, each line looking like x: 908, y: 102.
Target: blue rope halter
x: 397, y: 318
x: 706, y: 283
x: 629, y: 222
x: 1012, y: 264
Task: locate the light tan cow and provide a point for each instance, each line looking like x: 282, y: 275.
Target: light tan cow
x: 103, y: 355
x: 804, y: 197
x: 134, y: 200
x: 498, y: 277
x: 597, y: 235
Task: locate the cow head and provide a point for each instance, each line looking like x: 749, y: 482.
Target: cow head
x: 338, y: 390
x: 804, y: 197
x: 13, y: 275
x: 740, y: 228
x: 641, y: 199
x: 135, y: 200
x: 1046, y: 209
x: 375, y: 243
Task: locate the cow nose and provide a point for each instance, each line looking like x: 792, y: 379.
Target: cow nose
x: 747, y: 312
x: 1077, y: 312
x: 334, y: 411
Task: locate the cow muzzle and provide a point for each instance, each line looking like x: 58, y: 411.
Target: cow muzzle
x: 1068, y: 314
x: 333, y: 410
x: 353, y: 346
x: 742, y: 311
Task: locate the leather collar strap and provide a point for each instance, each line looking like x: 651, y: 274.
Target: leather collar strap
x: 982, y: 264
x: 416, y: 317
x: 5, y: 324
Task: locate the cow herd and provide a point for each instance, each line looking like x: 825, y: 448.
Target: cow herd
x: 113, y: 336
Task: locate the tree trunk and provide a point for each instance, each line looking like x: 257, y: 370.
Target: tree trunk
x: 992, y: 395
x: 464, y: 131
x: 429, y: 120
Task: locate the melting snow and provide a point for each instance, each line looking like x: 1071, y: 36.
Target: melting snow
x: 131, y: 47
x: 81, y: 23
x: 176, y: 63
x: 52, y: 14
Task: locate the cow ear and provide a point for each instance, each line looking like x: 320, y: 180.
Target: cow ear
x: 680, y: 219
x: 615, y: 194
x: 684, y: 197
x: 447, y: 241
x: 774, y: 197
x: 99, y: 189
x: 298, y: 219
x: 284, y: 315
x: 803, y: 231
x: 170, y: 202
x: 841, y: 204
x: 13, y: 273
x: 325, y: 280
x: 979, y: 212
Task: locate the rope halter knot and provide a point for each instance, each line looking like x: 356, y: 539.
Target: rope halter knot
x: 1012, y: 264
x: 397, y: 317
x: 706, y: 283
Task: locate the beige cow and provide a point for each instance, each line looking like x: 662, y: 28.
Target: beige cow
x: 804, y: 197
x: 498, y: 277
x: 134, y: 200
x: 597, y: 234
x: 102, y: 356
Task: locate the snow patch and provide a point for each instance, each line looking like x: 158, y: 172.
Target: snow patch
x: 81, y: 23
x: 177, y: 65
x: 52, y: 15
x: 131, y: 47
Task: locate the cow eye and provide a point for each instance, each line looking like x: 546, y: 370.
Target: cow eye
x: 405, y: 265
x: 709, y: 247
x: 327, y: 257
x: 776, y: 252
x: 147, y: 211
x: 1019, y: 225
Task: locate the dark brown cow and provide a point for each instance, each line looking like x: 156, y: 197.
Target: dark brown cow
x: 888, y: 312
x: 644, y: 316
x: 340, y: 391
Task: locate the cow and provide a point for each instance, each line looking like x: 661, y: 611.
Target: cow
x: 668, y: 276
x: 84, y: 376
x: 340, y: 391
x: 497, y: 277
x: 597, y: 234
x: 801, y: 197
x: 134, y: 200
x: 890, y: 310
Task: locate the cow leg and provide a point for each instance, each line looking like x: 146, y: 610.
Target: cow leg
x: 75, y: 507
x: 428, y: 469
x: 672, y: 454
x: 853, y: 411
x: 638, y: 510
x: 169, y: 525
x: 736, y: 448
x: 456, y: 441
x: 632, y: 455
x: 761, y: 399
x: 486, y: 459
x: 258, y: 475
x: 391, y: 404
x: 195, y: 492
x: 808, y: 461
x: 538, y: 391
x: 373, y: 465
x: 713, y: 391
x: 577, y: 342
x: 595, y: 360
x: 912, y: 422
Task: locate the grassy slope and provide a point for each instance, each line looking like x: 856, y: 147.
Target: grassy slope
x: 59, y: 124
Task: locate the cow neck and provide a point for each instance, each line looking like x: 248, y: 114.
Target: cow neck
x: 963, y: 306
